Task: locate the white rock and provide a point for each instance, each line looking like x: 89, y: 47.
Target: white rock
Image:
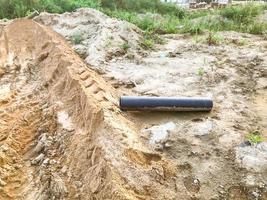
x: 203, y: 128
x: 253, y: 158
x: 46, y: 161
x: 160, y: 132
x: 38, y: 159
x: 65, y: 120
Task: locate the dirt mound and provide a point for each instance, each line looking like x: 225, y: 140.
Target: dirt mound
x: 95, y: 36
x: 62, y: 135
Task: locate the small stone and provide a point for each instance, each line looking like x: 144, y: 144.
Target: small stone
x: 38, y: 159
x: 168, y: 145
x: 46, y: 161
x: 64, y: 169
x: 52, y: 162
x: 255, y: 194
x: 78, y: 184
x: 4, y: 148
x: 204, y: 128
x: 222, y: 192
x: 196, y: 181
x: 2, y: 72
x: 261, y: 185
x: 2, y: 183
x: 220, y: 98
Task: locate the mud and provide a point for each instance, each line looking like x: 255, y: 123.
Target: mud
x: 64, y: 137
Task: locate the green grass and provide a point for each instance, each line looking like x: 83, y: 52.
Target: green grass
x: 153, y: 16
x: 200, y: 71
x: 214, y: 39
x: 254, y: 138
x: 20, y: 8
x: 242, y: 13
x: 232, y: 18
x: 76, y: 39
x: 143, y: 6
x: 125, y: 46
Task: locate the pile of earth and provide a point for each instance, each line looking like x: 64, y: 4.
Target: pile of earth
x: 95, y: 37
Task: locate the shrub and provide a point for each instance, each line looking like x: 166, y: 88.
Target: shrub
x: 19, y: 8
x: 142, y: 6
x: 192, y: 28
x: 16, y: 8
x: 241, y: 13
x: 148, y: 43
x: 257, y: 28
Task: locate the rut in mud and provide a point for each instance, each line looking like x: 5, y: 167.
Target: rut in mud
x: 62, y: 135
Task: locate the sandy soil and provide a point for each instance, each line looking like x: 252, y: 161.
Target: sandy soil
x: 63, y: 136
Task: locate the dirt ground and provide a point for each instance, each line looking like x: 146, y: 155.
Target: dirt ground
x: 63, y: 136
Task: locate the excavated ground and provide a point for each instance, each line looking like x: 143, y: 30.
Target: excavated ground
x: 62, y: 135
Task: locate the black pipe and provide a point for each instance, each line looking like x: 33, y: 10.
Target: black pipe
x: 130, y: 103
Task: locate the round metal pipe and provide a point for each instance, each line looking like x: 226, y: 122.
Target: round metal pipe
x: 135, y: 103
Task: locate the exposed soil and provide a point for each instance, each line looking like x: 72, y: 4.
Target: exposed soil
x: 62, y: 135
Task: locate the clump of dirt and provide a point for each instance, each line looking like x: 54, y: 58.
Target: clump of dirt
x: 95, y: 37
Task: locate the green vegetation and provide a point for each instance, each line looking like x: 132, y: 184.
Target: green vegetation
x: 241, y: 14
x: 153, y: 16
x: 20, y: 8
x: 200, y: 71
x: 254, y: 138
x: 143, y: 6
x: 148, y: 43
x: 242, y: 42
x: 76, y: 39
x: 214, y: 38
x: 125, y: 46
x: 242, y: 18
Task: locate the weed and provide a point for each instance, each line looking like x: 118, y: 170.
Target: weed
x: 254, y: 138
x: 214, y: 39
x: 242, y: 42
x: 144, y: 6
x: 76, y: 39
x: 198, y: 39
x: 192, y: 28
x: 150, y: 39
x: 125, y: 46
x: 200, y: 71
x: 241, y: 13
x: 148, y: 43
x: 257, y: 28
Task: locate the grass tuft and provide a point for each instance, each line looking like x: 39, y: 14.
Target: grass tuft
x: 254, y: 138
x: 76, y: 39
x: 125, y: 46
